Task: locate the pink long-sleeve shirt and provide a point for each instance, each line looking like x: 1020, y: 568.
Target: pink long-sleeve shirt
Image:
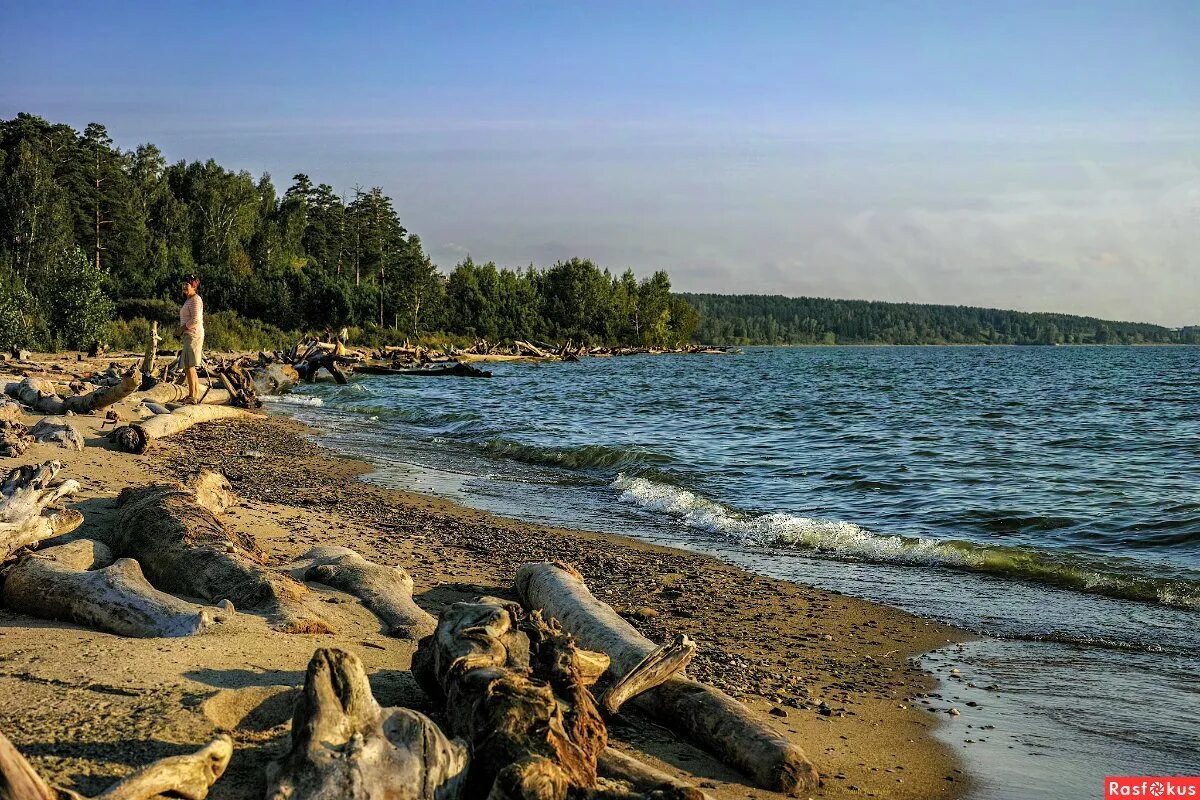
x: 191, y: 317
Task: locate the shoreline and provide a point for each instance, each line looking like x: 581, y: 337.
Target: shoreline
x: 835, y: 673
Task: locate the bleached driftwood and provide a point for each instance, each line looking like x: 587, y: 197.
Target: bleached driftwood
x: 189, y: 776
x: 79, y: 582
x: 137, y: 436
x: 614, y: 765
x: 151, y: 351
x: 57, y: 430
x: 274, y: 378
x: 42, y: 395
x: 164, y: 392
x: 517, y: 691
x: 14, y: 439
x: 183, y: 547
x: 705, y: 715
x: 345, y: 747
x: 386, y: 591
x: 28, y: 513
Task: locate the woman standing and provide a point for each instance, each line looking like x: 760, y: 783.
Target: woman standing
x: 191, y: 330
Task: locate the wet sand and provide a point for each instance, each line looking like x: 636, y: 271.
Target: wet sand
x: 834, y: 672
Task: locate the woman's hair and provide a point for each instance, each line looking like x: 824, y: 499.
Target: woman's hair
x: 191, y: 280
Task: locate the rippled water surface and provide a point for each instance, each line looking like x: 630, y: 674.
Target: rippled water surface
x: 1046, y: 496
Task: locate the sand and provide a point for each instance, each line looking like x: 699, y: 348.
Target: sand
x: 835, y: 672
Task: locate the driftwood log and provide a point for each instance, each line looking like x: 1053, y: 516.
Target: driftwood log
x: 189, y: 777
x: 345, y: 747
x: 28, y: 507
x: 79, y: 582
x: 10, y: 410
x: 136, y: 437
x: 42, y: 395
x: 164, y: 392
x: 175, y: 533
x: 517, y: 691
x: 386, y: 591
x: 703, y: 714
x: 273, y: 379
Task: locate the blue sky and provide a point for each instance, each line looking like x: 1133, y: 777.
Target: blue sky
x: 1029, y: 155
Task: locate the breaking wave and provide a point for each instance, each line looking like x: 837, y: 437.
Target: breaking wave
x: 847, y: 541
x: 292, y: 400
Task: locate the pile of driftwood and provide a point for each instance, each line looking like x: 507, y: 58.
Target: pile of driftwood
x: 526, y: 690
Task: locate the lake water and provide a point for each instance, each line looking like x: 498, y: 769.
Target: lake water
x: 1047, y: 498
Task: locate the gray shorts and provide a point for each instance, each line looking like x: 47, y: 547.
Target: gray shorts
x: 192, y: 354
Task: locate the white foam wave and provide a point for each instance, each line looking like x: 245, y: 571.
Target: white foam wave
x: 291, y: 400
x: 844, y: 539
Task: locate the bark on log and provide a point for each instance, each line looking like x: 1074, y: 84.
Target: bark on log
x: 517, y: 690
x: 136, y: 437
x: 702, y: 713
x: 79, y: 582
x: 345, y: 747
x: 183, y: 548
x: 42, y: 395
x: 189, y: 776
x: 386, y: 591
x: 27, y: 507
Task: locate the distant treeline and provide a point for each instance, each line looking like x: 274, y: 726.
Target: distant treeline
x: 92, y: 236
x: 775, y: 319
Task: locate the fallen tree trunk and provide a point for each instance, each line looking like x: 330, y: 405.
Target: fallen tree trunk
x: 27, y: 507
x: 42, y: 395
x: 517, y: 691
x: 78, y: 582
x: 386, y: 591
x: 136, y: 437
x: 702, y: 713
x: 345, y: 747
x: 163, y: 392
x: 189, y: 776
x: 175, y: 534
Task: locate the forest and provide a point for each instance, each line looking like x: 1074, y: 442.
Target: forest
x: 730, y: 319
x: 94, y: 242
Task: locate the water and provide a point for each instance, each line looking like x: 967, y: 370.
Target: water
x: 1048, y: 498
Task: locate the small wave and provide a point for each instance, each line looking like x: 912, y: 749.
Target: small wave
x: 845, y: 540
x: 291, y: 400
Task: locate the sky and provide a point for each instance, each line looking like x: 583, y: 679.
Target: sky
x: 1030, y: 155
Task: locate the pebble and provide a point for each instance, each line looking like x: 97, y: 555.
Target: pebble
x: 954, y: 712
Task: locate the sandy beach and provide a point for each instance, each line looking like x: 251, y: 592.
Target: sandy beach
x: 831, y: 671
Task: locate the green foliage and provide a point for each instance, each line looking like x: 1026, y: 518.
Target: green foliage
x: 79, y: 310
x: 774, y: 319
x: 15, y: 318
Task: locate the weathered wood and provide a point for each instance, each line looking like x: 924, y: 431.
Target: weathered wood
x: 10, y: 410
x: 79, y: 582
x: 705, y: 715
x: 175, y: 534
x: 274, y: 379
x: 18, y: 779
x: 517, y: 691
x: 14, y: 439
x: 57, y: 430
x: 456, y: 369
x: 164, y: 392
x: 654, y: 670
x: 136, y: 437
x: 189, y: 776
x: 614, y: 765
x: 387, y: 591
x: 346, y: 747
x: 42, y: 395
x: 151, y: 351
x: 27, y: 507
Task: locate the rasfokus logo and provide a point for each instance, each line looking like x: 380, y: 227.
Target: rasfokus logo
x: 1164, y: 786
